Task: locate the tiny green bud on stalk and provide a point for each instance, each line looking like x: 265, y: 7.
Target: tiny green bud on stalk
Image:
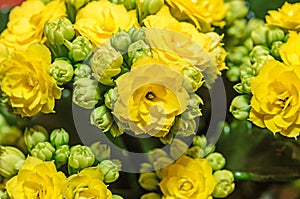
x: 216, y: 160
x: 80, y: 157
x: 3, y: 194
x: 225, y: 183
x: 258, y: 51
x: 110, y: 171
x: 79, y: 48
x: 238, y: 28
x: 240, y: 107
x: 59, y: 137
x: 120, y: 41
x: 235, y: 10
x: 43, y: 151
x: 200, y: 141
x: 61, y: 155
x: 101, y: 151
x: 34, y: 135
x: 275, y: 34
x: 151, y: 195
x: 233, y: 74
x: 101, y: 118
x: 61, y: 71
x: 275, y: 49
x: 110, y: 97
x: 259, y: 35
x: 148, y: 181
x: 86, y: 93
x: 11, y: 160
x: 59, y: 30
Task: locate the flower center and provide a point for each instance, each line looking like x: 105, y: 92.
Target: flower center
x: 284, y: 100
x: 150, y: 95
x: 185, y: 185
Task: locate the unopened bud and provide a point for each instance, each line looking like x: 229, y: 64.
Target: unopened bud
x: 136, y: 34
x: 101, y: 118
x: 225, y: 183
x: 11, y: 160
x: 101, y: 151
x: 43, y: 151
x: 61, y: 155
x: 177, y: 148
x: 259, y: 35
x: 80, y: 157
x: 110, y: 170
x: 151, y: 195
x: 240, y: 107
x: 148, y: 181
x: 79, y: 48
x: 275, y: 34
x: 61, y: 71
x: 34, y: 135
x: 110, y: 97
x: 216, y: 160
x: 82, y: 71
x: 120, y: 41
x: 59, y: 137
x: 137, y: 50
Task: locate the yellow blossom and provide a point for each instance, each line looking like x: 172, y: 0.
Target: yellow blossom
x: 290, y: 51
x: 36, y: 179
x: 26, y: 23
x: 86, y: 184
x: 188, y: 178
x: 98, y: 20
x: 202, y: 13
x: 150, y: 96
x: 276, y: 102
x: 26, y: 80
x: 287, y: 17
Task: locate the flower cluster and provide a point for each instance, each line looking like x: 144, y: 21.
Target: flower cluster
x: 268, y: 77
x: 198, y: 173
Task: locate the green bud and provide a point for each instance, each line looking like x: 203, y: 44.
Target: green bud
x: 246, y: 69
x: 137, y: 50
x: 151, y: 195
x: 240, y: 107
x: 59, y: 30
x: 110, y: 171
x: 235, y: 10
x: 11, y: 160
x: 260, y: 61
x: 3, y: 194
x: 9, y: 135
x: 130, y: 4
x: 258, y: 51
x: 238, y: 28
x: 110, y: 97
x: 184, y: 127
x: 61, y: 155
x: 248, y: 43
x: 200, y: 141
x: 61, y: 71
x: 77, y: 3
x: 160, y: 163
x: 252, y: 25
x: 237, y: 53
x: 259, y: 35
x: 80, y: 157
x: 216, y: 160
x: 146, y: 167
x: 233, y: 74
x: 193, y: 79
x: 3, y: 121
x: 195, y: 152
x: 43, y: 151
x: 106, y: 63
x: 59, y: 137
x: 82, y: 71
x: 120, y: 41
x: 116, y: 197
x: 35, y: 135
x: 193, y: 110
x: 225, y: 183
x: 148, y: 181
x: 274, y: 49
x: 136, y: 34
x: 275, y: 34
x: 178, y: 148
x: 86, y: 93
x: 101, y: 151
x: 115, y: 130
x: 79, y: 49
x: 154, y: 154
x: 101, y: 118
x: 148, y: 7
x: 210, y: 148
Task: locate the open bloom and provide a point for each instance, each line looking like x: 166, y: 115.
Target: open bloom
x: 98, y: 20
x: 188, y: 178
x: 287, y: 17
x: 150, y: 96
x: 26, y: 23
x: 202, y: 13
x: 276, y: 98
x: 36, y: 179
x: 26, y: 80
x: 290, y: 51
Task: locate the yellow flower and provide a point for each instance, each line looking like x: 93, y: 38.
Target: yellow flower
x: 3, y: 52
x: 100, y: 19
x: 188, y: 178
x: 202, y: 13
x: 290, y: 51
x: 287, y: 17
x: 276, y: 98
x: 150, y: 96
x: 86, y: 184
x: 26, y: 80
x: 26, y: 23
x: 36, y: 179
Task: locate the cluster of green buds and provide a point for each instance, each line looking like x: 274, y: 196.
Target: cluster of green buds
x: 151, y: 171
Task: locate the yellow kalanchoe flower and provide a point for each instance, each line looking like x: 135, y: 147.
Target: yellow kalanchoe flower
x: 98, y: 20
x: 36, y: 179
x: 287, y: 17
x: 26, y: 80
x: 150, y: 96
x: 276, y: 102
x: 86, y: 184
x: 26, y: 23
x: 290, y: 51
x: 188, y: 178
x: 203, y: 13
